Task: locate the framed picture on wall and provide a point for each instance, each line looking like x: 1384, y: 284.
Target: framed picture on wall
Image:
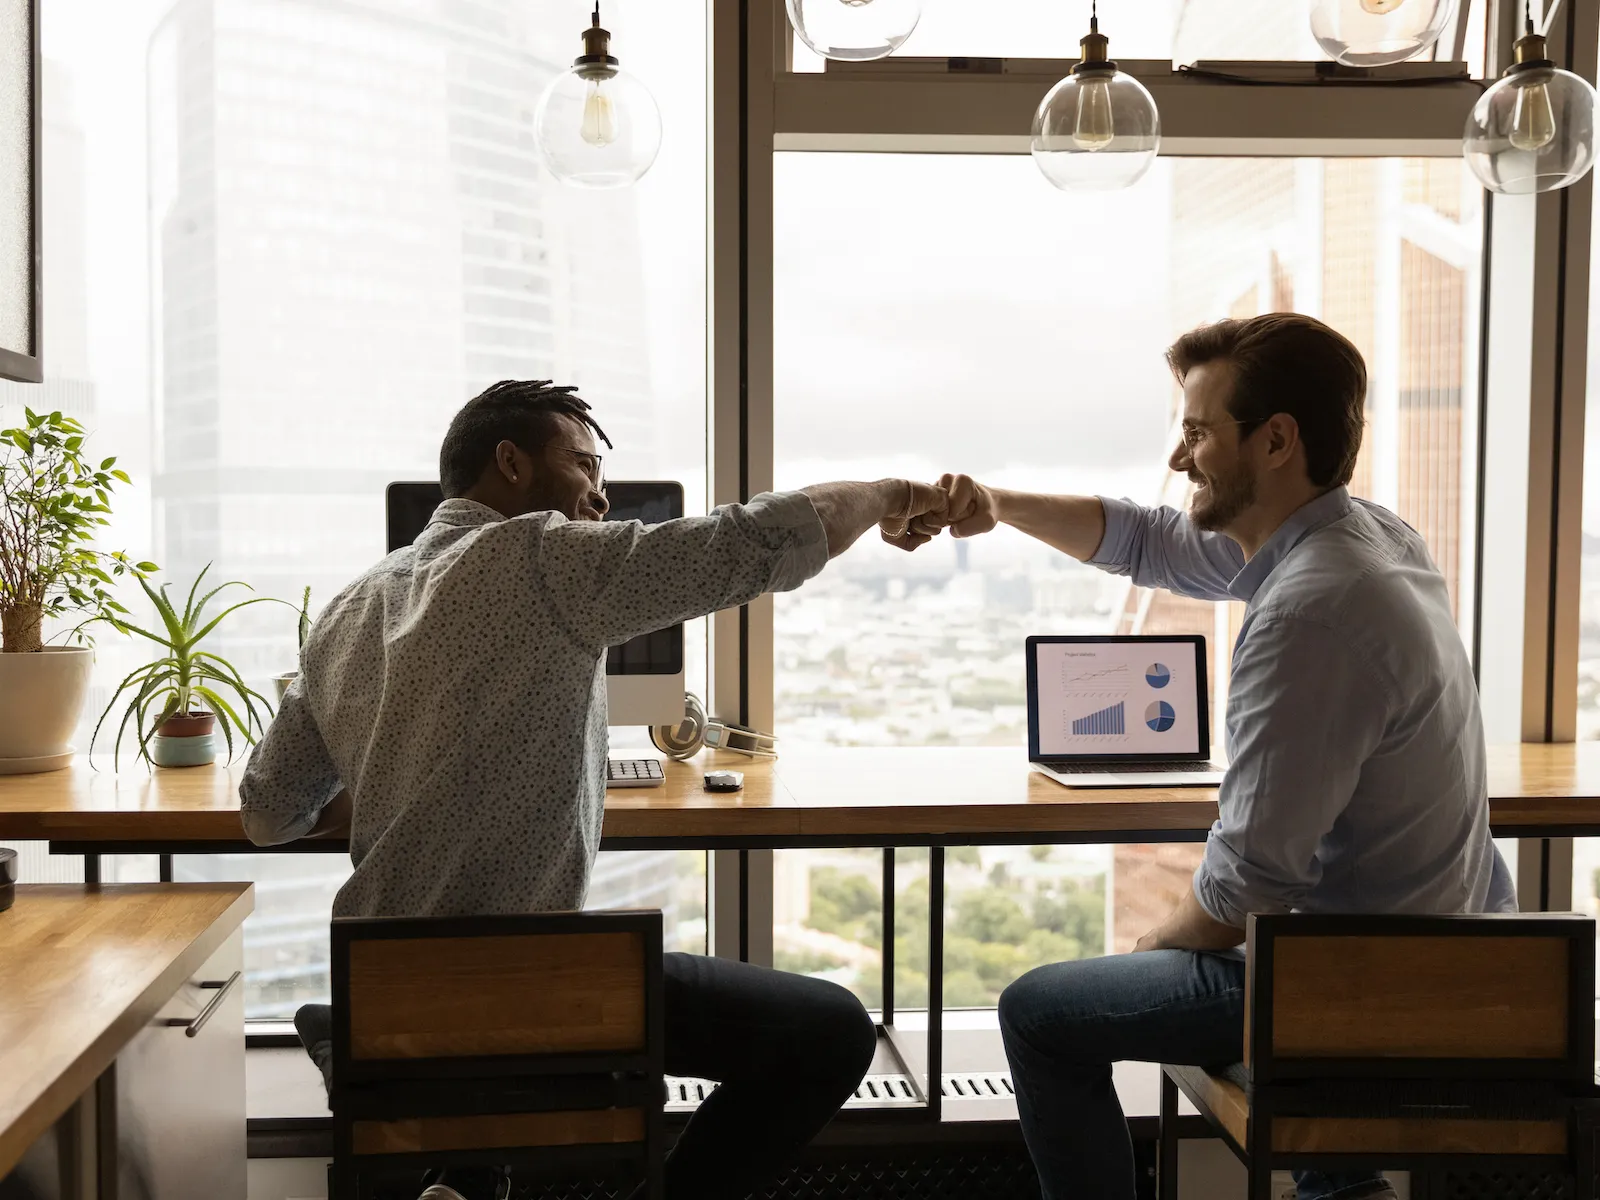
x: 21, y: 288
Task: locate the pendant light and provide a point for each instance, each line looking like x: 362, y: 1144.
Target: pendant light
x: 596, y: 125
x: 1533, y: 131
x: 854, y: 30
x: 1375, y: 33
x: 1098, y: 129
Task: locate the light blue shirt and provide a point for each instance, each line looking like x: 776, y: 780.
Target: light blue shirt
x: 1356, y: 777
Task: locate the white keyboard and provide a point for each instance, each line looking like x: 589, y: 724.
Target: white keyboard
x: 634, y: 772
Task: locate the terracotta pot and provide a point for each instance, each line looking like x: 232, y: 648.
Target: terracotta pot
x: 193, y: 724
x: 41, y: 698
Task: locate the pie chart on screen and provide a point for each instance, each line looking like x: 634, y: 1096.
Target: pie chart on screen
x: 1157, y: 675
x: 1160, y: 716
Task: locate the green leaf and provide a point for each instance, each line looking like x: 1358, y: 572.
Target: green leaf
x: 215, y: 621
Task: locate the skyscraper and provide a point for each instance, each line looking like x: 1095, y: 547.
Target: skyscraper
x: 350, y: 235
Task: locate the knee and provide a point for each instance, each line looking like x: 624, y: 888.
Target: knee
x: 842, y: 1034
x: 1020, y: 1004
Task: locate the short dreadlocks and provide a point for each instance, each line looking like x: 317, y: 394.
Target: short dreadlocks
x: 518, y: 411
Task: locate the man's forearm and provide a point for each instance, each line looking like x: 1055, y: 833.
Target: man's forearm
x: 1191, y: 927
x: 1074, y: 525
x: 847, y: 510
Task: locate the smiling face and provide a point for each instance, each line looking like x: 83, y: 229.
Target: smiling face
x: 563, y: 475
x: 1216, y: 452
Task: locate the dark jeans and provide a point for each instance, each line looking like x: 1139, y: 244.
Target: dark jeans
x: 1065, y: 1024
x: 787, y: 1051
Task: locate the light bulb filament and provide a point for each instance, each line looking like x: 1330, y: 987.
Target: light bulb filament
x: 599, y: 127
x: 1533, y: 121
x: 1094, y: 129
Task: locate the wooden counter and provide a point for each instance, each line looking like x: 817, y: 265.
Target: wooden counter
x: 87, y: 970
x: 842, y: 796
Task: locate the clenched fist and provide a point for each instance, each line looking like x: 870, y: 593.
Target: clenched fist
x: 916, y: 516
x: 971, y: 508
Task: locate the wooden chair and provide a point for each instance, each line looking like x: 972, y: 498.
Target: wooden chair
x: 522, y: 1040
x: 1405, y: 1043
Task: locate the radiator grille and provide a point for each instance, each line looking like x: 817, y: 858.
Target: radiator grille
x: 892, y: 1090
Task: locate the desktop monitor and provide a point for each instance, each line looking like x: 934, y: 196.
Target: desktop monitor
x: 644, y: 676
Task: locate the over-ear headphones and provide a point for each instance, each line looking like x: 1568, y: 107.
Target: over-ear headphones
x: 684, y: 740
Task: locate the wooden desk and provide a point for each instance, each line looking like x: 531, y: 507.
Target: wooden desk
x: 94, y: 974
x: 852, y: 797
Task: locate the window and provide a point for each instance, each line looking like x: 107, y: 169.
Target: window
x: 1184, y: 31
x: 269, y: 300
x: 998, y: 327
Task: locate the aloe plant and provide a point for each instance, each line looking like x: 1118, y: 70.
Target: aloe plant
x: 304, y: 628
x: 184, y: 673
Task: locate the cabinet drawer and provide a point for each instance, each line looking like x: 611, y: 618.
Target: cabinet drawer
x: 179, y: 1112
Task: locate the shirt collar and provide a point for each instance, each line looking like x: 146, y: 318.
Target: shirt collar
x: 1304, y: 521
x: 464, y: 514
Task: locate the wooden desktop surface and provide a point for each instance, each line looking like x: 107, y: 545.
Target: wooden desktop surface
x: 822, y: 794
x: 86, y: 968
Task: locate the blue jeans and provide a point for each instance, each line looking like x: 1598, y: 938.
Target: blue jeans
x: 1065, y: 1024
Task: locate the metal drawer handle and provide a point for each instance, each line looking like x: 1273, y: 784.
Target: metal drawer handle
x: 193, y: 1025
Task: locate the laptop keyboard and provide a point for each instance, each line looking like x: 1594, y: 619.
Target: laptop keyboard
x: 1155, y: 768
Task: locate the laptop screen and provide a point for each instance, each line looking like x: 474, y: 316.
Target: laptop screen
x: 1117, y: 698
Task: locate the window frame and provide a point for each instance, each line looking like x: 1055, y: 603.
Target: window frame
x: 1526, y: 484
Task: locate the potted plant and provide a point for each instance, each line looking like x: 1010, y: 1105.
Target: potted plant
x: 179, y: 698
x: 303, y: 630
x: 52, y: 502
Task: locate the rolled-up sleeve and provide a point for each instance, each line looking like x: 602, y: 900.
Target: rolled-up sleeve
x: 1161, y: 548
x: 614, y: 580
x: 290, y: 778
x: 1305, y: 712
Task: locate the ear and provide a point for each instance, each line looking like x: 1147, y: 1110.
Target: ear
x: 514, y: 466
x: 1283, y: 439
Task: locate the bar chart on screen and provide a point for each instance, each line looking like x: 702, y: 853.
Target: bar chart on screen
x: 1110, y: 720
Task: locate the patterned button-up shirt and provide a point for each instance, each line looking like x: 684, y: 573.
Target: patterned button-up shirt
x: 458, y: 691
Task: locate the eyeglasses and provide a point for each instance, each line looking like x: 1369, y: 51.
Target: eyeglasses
x: 1193, y: 435
x: 591, y: 464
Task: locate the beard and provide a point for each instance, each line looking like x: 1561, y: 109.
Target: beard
x: 1223, y: 498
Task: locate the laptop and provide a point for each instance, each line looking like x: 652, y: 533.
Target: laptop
x: 1120, y: 711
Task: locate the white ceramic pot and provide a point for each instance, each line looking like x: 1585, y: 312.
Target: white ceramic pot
x: 41, y: 698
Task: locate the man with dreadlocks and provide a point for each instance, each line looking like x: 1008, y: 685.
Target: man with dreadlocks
x: 450, y: 713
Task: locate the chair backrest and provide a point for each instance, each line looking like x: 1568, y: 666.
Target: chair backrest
x: 525, y: 996
x: 1503, y: 997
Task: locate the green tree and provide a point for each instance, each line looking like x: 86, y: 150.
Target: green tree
x: 1074, y: 911
x: 991, y: 915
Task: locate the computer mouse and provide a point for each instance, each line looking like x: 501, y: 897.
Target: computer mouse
x: 724, y: 781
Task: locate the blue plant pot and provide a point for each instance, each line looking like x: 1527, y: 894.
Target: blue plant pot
x: 183, y: 751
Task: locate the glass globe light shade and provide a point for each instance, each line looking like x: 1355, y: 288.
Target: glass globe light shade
x: 1373, y: 33
x: 1096, y: 130
x: 1533, y: 131
x: 854, y: 30
x: 597, y: 127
